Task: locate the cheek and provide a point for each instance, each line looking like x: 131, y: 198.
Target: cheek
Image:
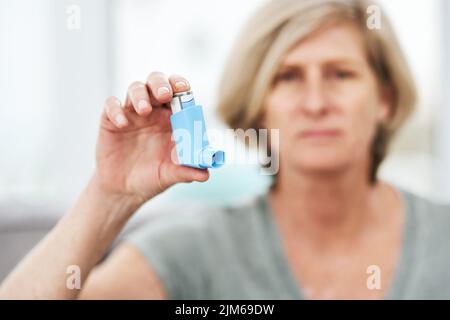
x: 362, y: 111
x: 277, y: 115
x: 277, y: 109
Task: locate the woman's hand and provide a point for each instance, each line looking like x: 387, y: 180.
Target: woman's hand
x: 135, y: 151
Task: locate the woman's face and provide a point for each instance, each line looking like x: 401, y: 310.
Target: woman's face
x: 326, y: 102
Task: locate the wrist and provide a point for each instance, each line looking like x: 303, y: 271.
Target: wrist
x: 108, y: 194
x: 95, y: 220
x: 115, y: 205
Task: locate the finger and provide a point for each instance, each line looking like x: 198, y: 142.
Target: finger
x: 160, y: 88
x: 187, y: 174
x: 139, y: 98
x: 179, y: 84
x: 115, y: 113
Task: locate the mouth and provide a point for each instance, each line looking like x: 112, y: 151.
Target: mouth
x: 322, y: 134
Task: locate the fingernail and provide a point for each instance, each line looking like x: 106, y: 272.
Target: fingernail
x: 121, y: 120
x: 162, y: 91
x: 142, y: 105
x: 181, y: 84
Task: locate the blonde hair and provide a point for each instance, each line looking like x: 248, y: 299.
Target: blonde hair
x: 277, y: 27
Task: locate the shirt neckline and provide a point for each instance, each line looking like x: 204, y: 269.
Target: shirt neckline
x: 402, y: 270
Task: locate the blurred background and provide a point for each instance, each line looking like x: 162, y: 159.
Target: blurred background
x: 60, y: 59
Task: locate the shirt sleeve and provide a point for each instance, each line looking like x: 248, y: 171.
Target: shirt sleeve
x: 174, y: 246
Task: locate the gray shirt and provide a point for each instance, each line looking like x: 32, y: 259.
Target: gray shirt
x: 236, y: 253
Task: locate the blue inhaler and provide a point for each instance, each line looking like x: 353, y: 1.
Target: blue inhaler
x: 189, y: 133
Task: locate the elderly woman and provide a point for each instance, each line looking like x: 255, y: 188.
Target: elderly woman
x: 327, y: 228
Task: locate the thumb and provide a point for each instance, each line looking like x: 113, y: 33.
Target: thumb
x: 187, y: 174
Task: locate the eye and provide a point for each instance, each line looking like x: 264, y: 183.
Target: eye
x: 341, y: 74
x: 287, y: 76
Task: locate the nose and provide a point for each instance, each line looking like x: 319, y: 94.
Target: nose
x: 314, y: 102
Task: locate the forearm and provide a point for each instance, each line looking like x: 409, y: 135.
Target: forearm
x: 80, y: 238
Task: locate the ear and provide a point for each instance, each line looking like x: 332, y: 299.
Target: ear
x: 386, y: 106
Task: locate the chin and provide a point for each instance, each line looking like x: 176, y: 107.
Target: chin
x: 322, y: 170
x: 323, y: 163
